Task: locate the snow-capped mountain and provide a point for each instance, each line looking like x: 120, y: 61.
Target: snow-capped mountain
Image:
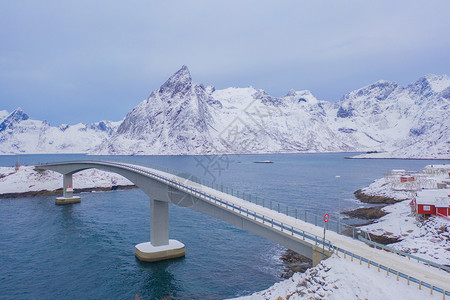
x: 405, y: 122
x: 182, y: 117
x: 175, y: 119
x: 20, y: 134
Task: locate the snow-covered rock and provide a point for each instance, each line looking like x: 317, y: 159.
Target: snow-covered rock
x: 27, y: 179
x: 175, y: 119
x: 21, y: 135
x: 185, y: 118
x: 407, y: 122
x: 182, y: 117
x: 339, y: 278
x: 429, y: 239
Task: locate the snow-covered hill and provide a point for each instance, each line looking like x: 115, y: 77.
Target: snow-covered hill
x: 20, y: 134
x: 27, y: 179
x: 182, y: 117
x: 339, y: 278
x: 405, y: 122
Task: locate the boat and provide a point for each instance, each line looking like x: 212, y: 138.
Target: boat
x: 263, y: 162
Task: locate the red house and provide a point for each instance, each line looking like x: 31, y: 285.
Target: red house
x: 432, y: 202
x: 406, y: 179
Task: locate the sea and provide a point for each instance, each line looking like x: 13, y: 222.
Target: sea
x: 86, y: 250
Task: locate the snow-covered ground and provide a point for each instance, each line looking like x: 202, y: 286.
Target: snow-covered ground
x: 391, y: 186
x: 339, y: 278
x: 429, y: 239
x: 417, y: 152
x: 27, y: 179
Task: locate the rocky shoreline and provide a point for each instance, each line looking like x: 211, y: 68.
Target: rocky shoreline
x: 373, y: 213
x: 59, y: 192
x: 366, y: 213
x: 297, y: 263
x: 294, y: 263
x: 371, y: 199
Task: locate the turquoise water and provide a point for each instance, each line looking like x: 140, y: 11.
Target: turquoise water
x: 86, y: 250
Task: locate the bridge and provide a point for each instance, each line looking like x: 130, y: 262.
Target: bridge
x: 289, y: 231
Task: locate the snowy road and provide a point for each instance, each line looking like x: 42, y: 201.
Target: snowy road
x: 294, y: 227
x: 431, y: 275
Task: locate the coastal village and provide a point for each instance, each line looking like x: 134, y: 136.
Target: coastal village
x: 414, y: 208
x: 418, y: 219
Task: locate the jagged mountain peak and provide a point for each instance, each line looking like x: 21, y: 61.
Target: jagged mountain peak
x: 430, y: 84
x: 183, y: 117
x: 18, y: 112
x: 178, y: 82
x: 437, y: 77
x: 379, y: 90
x: 291, y: 93
x: 177, y: 111
x: 301, y: 97
x: 15, y: 117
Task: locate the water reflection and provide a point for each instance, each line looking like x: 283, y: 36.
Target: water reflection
x: 159, y: 281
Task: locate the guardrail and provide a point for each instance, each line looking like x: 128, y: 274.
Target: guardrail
x: 299, y: 214
x: 235, y: 208
x: 306, y: 216
x: 356, y: 233
x: 401, y: 253
x: 392, y: 271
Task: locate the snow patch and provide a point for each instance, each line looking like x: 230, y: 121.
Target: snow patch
x: 26, y: 179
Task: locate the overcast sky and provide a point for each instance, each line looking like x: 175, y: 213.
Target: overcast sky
x: 85, y: 61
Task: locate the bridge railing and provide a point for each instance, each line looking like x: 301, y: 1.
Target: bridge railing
x: 304, y: 215
x: 409, y: 256
x: 391, y: 271
x: 237, y: 208
x: 356, y: 233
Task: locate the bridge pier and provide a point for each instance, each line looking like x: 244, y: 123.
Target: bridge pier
x: 68, y: 197
x: 160, y: 246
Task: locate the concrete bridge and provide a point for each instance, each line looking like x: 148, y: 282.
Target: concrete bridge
x: 290, y: 232
x: 163, y: 188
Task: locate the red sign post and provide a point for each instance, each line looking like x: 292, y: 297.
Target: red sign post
x: 326, y: 217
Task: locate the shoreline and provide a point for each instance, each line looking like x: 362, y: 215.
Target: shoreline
x: 373, y: 214
x: 374, y: 199
x: 401, y: 158
x: 59, y: 192
x: 356, y: 154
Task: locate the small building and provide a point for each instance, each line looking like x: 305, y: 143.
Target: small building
x: 406, y: 179
x: 432, y: 202
x: 398, y: 172
x: 437, y: 169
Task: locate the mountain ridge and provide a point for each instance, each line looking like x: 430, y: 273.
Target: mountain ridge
x: 183, y: 117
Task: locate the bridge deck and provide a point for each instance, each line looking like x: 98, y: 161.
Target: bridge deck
x: 431, y: 275
x: 298, y: 228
